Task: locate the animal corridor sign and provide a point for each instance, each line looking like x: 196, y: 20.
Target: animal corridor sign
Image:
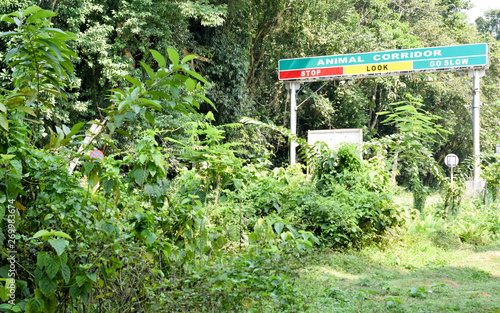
x: 386, y: 63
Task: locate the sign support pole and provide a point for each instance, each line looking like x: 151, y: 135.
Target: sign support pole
x: 476, y: 103
x: 293, y: 87
x: 451, y: 160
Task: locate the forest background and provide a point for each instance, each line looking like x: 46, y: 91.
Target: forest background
x: 238, y: 45
x: 192, y: 209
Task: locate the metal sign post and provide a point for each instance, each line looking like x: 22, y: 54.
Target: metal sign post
x: 476, y: 103
x: 293, y: 87
x: 451, y: 160
x: 92, y: 133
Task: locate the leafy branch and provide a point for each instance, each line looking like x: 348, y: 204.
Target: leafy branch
x: 40, y: 61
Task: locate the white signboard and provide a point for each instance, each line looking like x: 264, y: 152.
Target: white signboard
x: 333, y: 137
x: 497, y: 149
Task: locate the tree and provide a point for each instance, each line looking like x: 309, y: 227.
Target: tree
x: 40, y: 61
x: 41, y: 64
x: 417, y: 130
x: 490, y: 23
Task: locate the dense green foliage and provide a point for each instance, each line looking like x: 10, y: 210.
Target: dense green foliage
x: 342, y: 205
x: 190, y: 210
x: 237, y: 45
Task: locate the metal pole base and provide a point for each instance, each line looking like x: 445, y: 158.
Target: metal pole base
x: 474, y: 188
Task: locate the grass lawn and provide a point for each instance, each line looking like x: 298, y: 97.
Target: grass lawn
x: 424, y: 269
x: 408, y: 277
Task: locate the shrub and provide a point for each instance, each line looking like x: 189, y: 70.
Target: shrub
x: 362, y: 187
x: 477, y: 224
x: 346, y: 204
x: 491, y: 174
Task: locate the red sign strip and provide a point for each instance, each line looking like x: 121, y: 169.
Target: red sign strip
x: 317, y: 72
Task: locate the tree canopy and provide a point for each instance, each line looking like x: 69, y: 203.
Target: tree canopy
x: 190, y: 208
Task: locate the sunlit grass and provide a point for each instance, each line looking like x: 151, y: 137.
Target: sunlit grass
x: 425, y: 268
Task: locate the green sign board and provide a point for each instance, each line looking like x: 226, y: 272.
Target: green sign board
x: 385, y: 63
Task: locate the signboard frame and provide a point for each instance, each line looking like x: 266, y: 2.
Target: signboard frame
x: 476, y: 71
x: 333, y: 134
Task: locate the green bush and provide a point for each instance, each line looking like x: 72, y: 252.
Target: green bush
x: 477, y: 224
x: 347, y: 203
x: 491, y: 174
x: 364, y: 207
x: 474, y: 224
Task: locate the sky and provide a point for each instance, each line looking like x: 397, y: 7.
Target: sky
x: 480, y: 7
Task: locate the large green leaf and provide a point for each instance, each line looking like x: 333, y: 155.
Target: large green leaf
x: 151, y: 103
x: 6, y: 34
x: 4, y: 306
x: 31, y: 10
x: 62, y: 234
x: 149, y: 117
x: 40, y: 259
x: 47, y: 286
x: 92, y: 276
x: 159, y: 58
x: 66, y: 273
x: 109, y: 229
x: 64, y: 258
x: 181, y: 77
x: 74, y: 291
x: 134, y: 81
x: 11, y: 53
x: 51, y: 305
x: 52, y: 266
x: 4, y: 296
x: 188, y: 58
x: 173, y: 56
x: 40, y: 14
x: 88, y: 167
x: 118, y: 119
x: 17, y: 21
x: 35, y: 305
x: 190, y: 84
x: 149, y: 70
x: 125, y: 133
x: 138, y: 175
x: 107, y: 185
x: 80, y: 280
x: 59, y: 245
x: 197, y: 76
x: 7, y: 18
x: 151, y: 239
x: 3, y: 121
x: 278, y: 227
x: 159, y: 94
x: 52, y: 46
x: 25, y: 109
x: 41, y: 233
